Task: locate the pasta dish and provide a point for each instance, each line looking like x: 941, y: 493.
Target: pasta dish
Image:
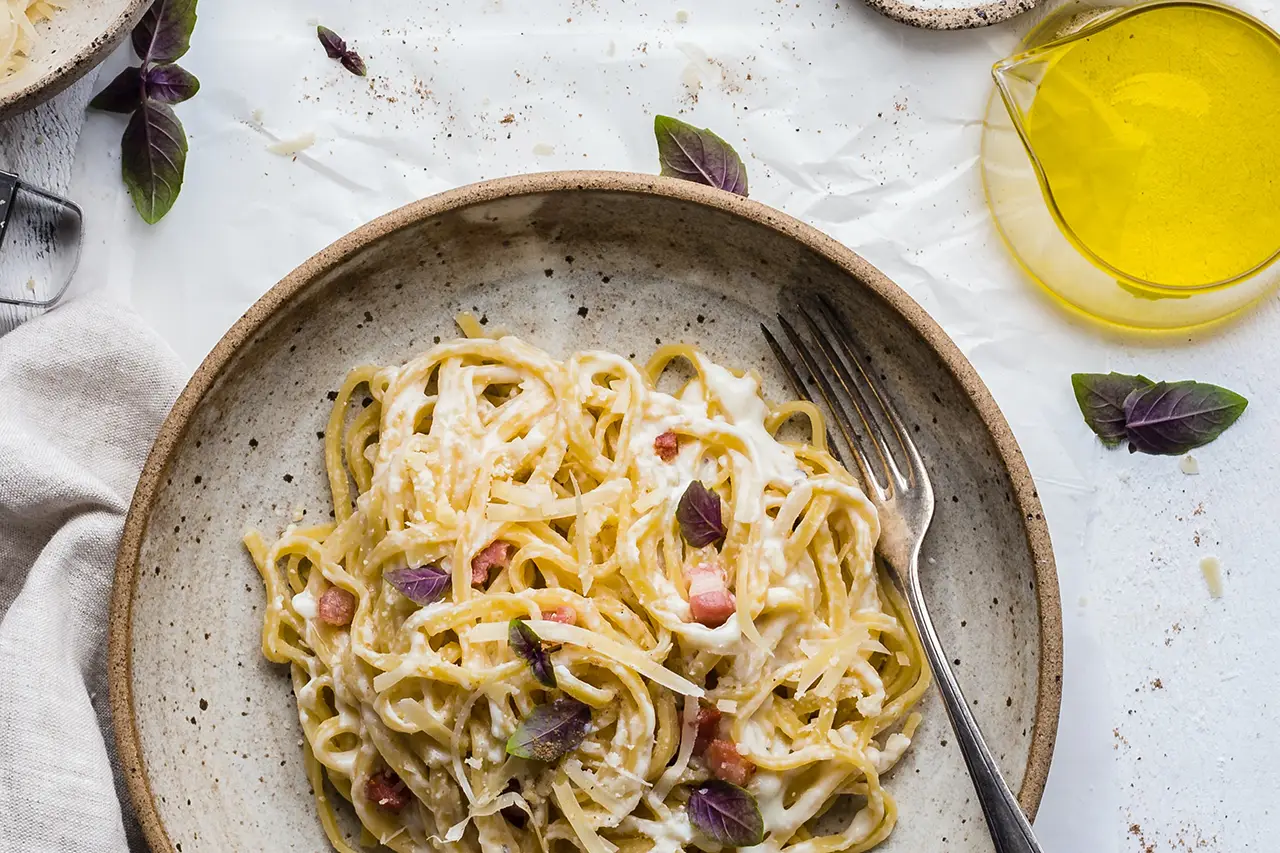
x: 560, y: 609
x: 18, y: 32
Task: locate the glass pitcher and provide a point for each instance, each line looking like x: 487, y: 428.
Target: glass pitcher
x: 1059, y: 224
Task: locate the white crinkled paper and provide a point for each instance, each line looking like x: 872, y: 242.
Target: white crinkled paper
x: 862, y: 127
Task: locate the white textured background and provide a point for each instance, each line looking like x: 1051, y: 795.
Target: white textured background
x: 869, y: 131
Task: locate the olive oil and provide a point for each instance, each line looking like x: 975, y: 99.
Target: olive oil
x: 1159, y: 139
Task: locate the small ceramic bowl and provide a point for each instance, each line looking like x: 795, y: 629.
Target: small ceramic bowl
x: 951, y: 14
x: 75, y: 40
x: 208, y: 731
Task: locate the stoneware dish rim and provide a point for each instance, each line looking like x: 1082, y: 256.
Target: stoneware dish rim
x: 119, y: 654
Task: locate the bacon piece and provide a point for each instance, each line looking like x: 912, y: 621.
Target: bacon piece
x: 387, y: 791
x: 708, y: 727
x: 725, y: 763
x: 710, y: 601
x: 666, y: 446
x: 336, y: 607
x: 495, y: 555
x: 563, y: 614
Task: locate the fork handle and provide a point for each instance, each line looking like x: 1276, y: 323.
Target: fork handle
x: 1010, y: 829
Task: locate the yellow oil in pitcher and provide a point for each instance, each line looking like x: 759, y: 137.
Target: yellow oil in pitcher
x: 1159, y: 138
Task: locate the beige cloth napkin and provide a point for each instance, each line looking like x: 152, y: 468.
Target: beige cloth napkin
x: 83, y: 390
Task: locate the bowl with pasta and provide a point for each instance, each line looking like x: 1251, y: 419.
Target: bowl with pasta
x: 46, y: 45
x: 495, y: 527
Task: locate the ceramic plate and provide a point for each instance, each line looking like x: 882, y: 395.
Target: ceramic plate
x: 76, y: 39
x: 208, y: 730
x: 951, y: 14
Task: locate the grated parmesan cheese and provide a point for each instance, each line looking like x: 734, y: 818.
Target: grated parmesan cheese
x: 290, y: 147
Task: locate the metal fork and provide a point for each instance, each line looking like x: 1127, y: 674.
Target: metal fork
x: 898, y: 485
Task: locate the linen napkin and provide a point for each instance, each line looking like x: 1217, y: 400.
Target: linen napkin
x: 83, y: 390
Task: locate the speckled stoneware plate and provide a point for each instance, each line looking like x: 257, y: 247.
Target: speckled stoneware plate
x: 208, y: 731
x: 76, y: 39
x: 951, y: 14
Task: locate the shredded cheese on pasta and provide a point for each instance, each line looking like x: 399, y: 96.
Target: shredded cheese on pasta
x: 18, y: 34
x: 814, y: 668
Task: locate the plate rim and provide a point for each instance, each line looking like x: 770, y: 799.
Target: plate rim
x: 174, y: 428
x: 955, y: 18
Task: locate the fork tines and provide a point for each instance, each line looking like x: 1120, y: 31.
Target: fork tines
x: 870, y: 425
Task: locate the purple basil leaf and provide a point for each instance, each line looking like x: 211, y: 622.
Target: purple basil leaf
x: 153, y: 159
x: 726, y: 814
x: 550, y: 730
x: 421, y: 584
x: 698, y: 155
x: 164, y: 33
x: 333, y: 43
x: 528, y: 646
x: 699, y: 515
x: 1170, y: 418
x: 121, y: 95
x: 353, y: 63
x: 171, y: 84
x: 1101, y: 398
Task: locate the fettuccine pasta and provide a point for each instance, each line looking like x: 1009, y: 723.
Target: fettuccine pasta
x: 745, y: 637
x: 18, y: 33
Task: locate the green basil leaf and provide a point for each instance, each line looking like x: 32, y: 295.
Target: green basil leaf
x: 550, y: 730
x: 1101, y: 398
x: 725, y: 814
x: 153, y: 159
x: 700, y: 156
x: 1170, y: 418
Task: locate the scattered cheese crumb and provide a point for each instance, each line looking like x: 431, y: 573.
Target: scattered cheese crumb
x: 728, y: 706
x: 542, y: 149
x: 1084, y: 601
x: 298, y: 513
x: 31, y: 285
x: 1211, y: 568
x: 690, y: 78
x: 904, y: 659
x: 1189, y: 465
x: 682, y: 17
x: 289, y: 147
x: 256, y: 115
x: 612, y: 49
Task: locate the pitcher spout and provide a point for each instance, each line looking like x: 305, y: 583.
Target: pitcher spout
x: 1017, y: 79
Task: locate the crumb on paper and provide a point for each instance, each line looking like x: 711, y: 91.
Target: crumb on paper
x: 298, y: 513
x: 1084, y: 601
x: 289, y: 147
x: 682, y: 17
x: 508, y: 118
x: 1189, y: 465
x: 612, y: 48
x: 1211, y: 568
x: 542, y: 149
x: 31, y: 285
x: 256, y: 115
x: 690, y: 78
